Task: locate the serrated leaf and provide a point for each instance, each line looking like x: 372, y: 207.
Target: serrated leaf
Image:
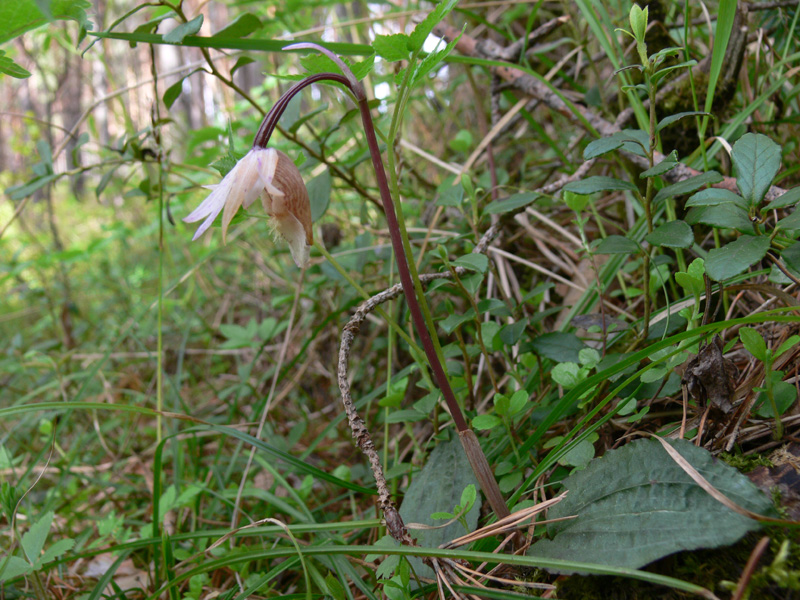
x: 757, y: 160
x: 616, y: 244
x: 674, y: 234
x: 319, y: 63
x: 687, y: 186
x: 670, y: 119
x: 9, y: 67
x: 392, y: 47
x: 319, y: 193
x: 598, y: 183
x: 56, y: 550
x: 727, y: 216
x: 734, y: 258
x: 473, y: 262
x: 715, y: 197
x: 240, y: 27
x: 33, y: 539
x: 423, y: 29
x: 558, y: 346
x: 181, y: 31
x: 790, y: 198
x: 438, y: 487
x: 636, y: 505
x: 430, y: 62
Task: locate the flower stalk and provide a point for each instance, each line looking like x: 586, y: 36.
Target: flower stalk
x: 467, y: 437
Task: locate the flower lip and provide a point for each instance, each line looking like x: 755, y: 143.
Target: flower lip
x: 271, y: 175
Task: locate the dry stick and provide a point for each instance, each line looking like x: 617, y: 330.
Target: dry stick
x: 750, y: 568
x: 359, y: 430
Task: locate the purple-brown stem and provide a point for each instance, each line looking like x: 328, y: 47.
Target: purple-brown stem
x: 472, y: 448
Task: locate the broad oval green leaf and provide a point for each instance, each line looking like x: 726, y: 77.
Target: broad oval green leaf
x: 438, y: 487
x: 636, y: 505
x: 473, y: 262
x: 674, y: 234
x: 734, y: 258
x: 757, y: 160
x: 559, y: 346
x: 687, y: 186
x: 319, y: 194
x: 728, y: 216
x: 714, y: 197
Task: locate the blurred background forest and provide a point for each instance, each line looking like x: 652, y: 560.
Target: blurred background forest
x: 171, y: 354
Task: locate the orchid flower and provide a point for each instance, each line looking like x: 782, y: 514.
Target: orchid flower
x: 271, y: 175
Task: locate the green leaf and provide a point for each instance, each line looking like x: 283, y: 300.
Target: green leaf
x: 579, y: 456
x: 511, y: 203
x: 791, y: 256
x: 670, y: 162
x: 715, y: 197
x: 616, y: 244
x: 787, y: 345
x: 784, y: 394
x: 433, y: 59
x: 438, y: 487
x: 674, y: 234
x: 726, y: 215
x: 335, y: 588
x: 172, y: 93
x: 734, y: 258
x: 688, y: 186
x: 240, y: 27
x: 33, y: 540
x: 19, y: 16
x: 240, y: 62
x: 319, y: 193
x: 754, y: 343
x: 598, y: 183
x: 484, y: 422
x: 392, y: 47
x: 757, y: 160
x: 473, y: 262
x: 790, y: 198
x: 670, y: 119
x: 661, y: 73
x: 423, y: 29
x: 558, y: 346
x: 566, y: 374
x: 791, y: 222
x: 518, y: 402
x: 56, y: 550
x: 635, y: 505
x: 461, y: 142
x: 14, y: 567
x: 607, y: 144
x: 452, y: 322
x: 319, y: 63
x: 181, y: 31
x: 9, y: 67
x: 510, y: 333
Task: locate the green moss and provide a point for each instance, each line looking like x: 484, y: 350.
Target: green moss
x: 745, y: 464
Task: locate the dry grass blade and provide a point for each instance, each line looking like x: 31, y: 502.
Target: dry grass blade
x: 714, y: 492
